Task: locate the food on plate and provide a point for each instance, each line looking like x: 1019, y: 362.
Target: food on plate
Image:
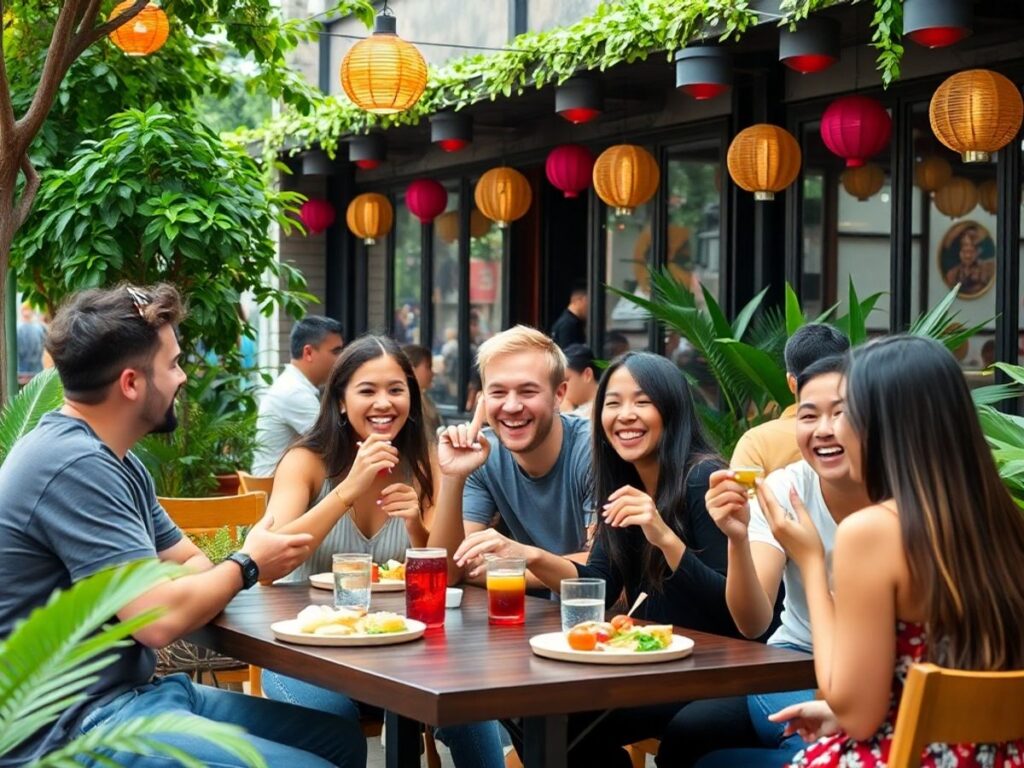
x: 392, y: 570
x: 335, y: 622
x: 619, y: 636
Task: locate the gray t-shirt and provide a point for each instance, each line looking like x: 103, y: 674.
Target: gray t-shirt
x: 70, y: 508
x: 551, y: 512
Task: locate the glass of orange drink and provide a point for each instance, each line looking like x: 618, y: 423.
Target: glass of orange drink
x: 748, y: 476
x: 506, y: 590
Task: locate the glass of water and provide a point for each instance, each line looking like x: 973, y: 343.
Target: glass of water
x: 582, y: 600
x: 351, y: 581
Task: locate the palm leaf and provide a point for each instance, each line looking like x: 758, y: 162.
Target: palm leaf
x: 718, y: 322
x: 761, y: 368
x: 1014, y: 372
x: 136, y: 737
x: 41, y: 395
x: 51, y: 657
x: 936, y: 320
x: 996, y: 393
x: 739, y: 328
x: 794, y: 313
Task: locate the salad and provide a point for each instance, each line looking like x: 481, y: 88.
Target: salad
x: 392, y: 570
x: 619, y: 635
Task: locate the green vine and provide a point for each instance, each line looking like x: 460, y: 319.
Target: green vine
x: 615, y: 33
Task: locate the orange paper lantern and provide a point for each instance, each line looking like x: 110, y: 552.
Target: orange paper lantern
x: 863, y: 182
x: 932, y: 172
x: 626, y: 176
x: 764, y: 159
x: 976, y: 113
x: 144, y: 33
x: 988, y: 196
x: 957, y: 197
x: 447, y: 225
x: 382, y: 73
x: 503, y: 195
x: 369, y: 216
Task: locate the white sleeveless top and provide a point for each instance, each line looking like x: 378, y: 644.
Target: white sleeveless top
x: 389, y: 543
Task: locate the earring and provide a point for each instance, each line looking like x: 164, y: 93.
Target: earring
x: 344, y: 419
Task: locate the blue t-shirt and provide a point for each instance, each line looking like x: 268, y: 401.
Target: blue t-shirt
x: 551, y: 512
x: 70, y: 508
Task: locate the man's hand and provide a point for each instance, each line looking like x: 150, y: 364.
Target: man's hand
x: 478, y: 547
x: 276, y: 554
x: 727, y: 503
x: 462, y: 449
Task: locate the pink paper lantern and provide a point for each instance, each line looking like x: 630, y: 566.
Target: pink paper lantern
x: 426, y: 199
x: 316, y: 215
x: 570, y: 168
x: 855, y: 128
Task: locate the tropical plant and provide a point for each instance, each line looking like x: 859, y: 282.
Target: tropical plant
x: 19, y: 416
x: 1005, y: 431
x: 53, y: 656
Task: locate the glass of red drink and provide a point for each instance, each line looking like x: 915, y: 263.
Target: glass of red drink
x: 426, y: 579
x: 506, y: 590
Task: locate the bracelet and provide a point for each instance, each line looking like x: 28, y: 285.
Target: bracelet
x: 337, y: 492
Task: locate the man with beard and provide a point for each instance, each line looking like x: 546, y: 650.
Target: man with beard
x: 530, y: 466
x: 77, y: 501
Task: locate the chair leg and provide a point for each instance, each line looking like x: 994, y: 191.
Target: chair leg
x: 430, y: 749
x: 255, y: 682
x: 636, y: 756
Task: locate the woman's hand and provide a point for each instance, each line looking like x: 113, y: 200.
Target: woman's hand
x: 376, y: 454
x: 727, y: 503
x: 629, y: 506
x: 401, y: 500
x: 797, y: 536
x: 811, y: 719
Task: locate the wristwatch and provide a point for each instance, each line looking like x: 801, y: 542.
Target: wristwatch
x: 250, y: 571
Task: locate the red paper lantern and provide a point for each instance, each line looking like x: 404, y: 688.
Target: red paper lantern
x: 569, y: 168
x: 855, y: 128
x: 426, y: 199
x: 316, y: 215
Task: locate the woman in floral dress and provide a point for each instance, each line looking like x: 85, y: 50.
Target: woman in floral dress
x: 929, y: 572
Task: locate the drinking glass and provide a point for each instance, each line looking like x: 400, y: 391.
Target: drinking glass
x: 426, y: 580
x: 351, y: 581
x: 506, y: 590
x: 582, y: 600
x: 748, y: 476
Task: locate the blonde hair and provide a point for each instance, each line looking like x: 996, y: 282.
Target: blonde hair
x: 522, y: 338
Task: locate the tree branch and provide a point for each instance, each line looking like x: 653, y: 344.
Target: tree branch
x: 87, y: 20
x: 28, y: 194
x: 88, y: 35
x: 6, y: 108
x: 54, y: 69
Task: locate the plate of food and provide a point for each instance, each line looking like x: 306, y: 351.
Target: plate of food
x: 616, y: 642
x: 323, y: 625
x: 389, y: 577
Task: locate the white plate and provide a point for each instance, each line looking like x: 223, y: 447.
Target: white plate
x: 288, y: 631
x: 555, y: 645
x: 326, y: 581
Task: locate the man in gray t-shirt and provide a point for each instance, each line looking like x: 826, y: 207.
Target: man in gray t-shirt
x: 530, y: 468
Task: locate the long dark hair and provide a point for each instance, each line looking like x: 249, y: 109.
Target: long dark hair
x: 332, y: 437
x: 963, y: 535
x: 683, y: 445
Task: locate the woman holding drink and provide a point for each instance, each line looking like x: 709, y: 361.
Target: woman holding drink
x: 362, y: 480
x: 651, y: 468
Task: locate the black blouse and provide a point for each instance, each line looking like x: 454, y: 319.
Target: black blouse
x: 693, y: 595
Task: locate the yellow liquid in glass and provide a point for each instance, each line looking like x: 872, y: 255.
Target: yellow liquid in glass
x: 506, y: 582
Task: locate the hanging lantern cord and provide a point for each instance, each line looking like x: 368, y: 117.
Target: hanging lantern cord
x: 385, y: 11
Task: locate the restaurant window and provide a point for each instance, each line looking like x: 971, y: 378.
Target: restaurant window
x: 377, y: 284
x: 628, y: 254
x: 406, y: 276
x: 446, y: 283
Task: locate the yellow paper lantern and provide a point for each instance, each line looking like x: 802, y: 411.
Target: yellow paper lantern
x: 764, y: 159
x: 369, y: 216
x: 503, y: 195
x: 447, y: 225
x: 932, y: 172
x: 144, y: 33
x: 863, y: 181
x: 957, y: 197
x: 975, y: 113
x: 626, y: 176
x: 988, y: 196
x: 382, y: 73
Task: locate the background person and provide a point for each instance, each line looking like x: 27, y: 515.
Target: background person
x: 571, y: 326
x: 423, y: 367
x: 581, y: 375
x: 31, y: 335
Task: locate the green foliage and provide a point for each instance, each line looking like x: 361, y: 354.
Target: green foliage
x: 163, y: 199
x: 615, y: 33
x: 1004, y: 431
x: 42, y: 394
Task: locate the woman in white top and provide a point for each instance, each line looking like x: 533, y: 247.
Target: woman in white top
x: 362, y: 480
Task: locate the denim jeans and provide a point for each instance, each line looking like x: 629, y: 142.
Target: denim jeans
x: 288, y: 736
x: 474, y: 745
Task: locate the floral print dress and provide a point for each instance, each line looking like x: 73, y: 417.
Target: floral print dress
x: 840, y: 751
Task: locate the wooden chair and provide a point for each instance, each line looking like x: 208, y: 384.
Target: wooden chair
x: 953, y: 706
x: 248, y: 483
x: 204, y: 516
x: 639, y: 751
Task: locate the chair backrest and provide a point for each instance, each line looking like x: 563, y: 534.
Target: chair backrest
x: 216, y: 512
x: 954, y: 706
x: 248, y: 483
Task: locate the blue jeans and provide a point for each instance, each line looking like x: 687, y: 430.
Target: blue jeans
x: 289, y: 736
x: 475, y: 745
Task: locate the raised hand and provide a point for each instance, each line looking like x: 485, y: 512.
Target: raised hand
x: 811, y: 719
x: 798, y: 536
x: 375, y: 454
x: 630, y: 506
x: 477, y: 547
x: 462, y: 449
x: 276, y: 554
x: 727, y: 503
x: 400, y: 500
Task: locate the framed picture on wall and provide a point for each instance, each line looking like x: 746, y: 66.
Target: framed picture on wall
x: 967, y: 255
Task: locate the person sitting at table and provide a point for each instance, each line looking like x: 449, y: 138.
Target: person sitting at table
x: 362, y: 480
x: 928, y: 571
x: 652, y: 462
x: 77, y: 500
x: 738, y: 727
x: 530, y: 465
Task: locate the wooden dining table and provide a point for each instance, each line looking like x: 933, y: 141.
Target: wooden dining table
x: 469, y: 670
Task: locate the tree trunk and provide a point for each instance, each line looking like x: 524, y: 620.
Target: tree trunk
x: 7, y: 230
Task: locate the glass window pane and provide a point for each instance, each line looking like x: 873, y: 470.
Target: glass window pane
x: 445, y: 344
x: 407, y: 277
x: 376, y: 284
x: 628, y: 254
